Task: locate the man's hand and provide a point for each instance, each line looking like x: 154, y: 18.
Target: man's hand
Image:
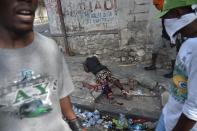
x: 184, y: 124
x: 69, y: 114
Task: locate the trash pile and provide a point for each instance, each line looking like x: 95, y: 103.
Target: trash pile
x: 91, y: 119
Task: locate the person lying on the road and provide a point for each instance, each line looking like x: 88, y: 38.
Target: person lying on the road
x: 104, y: 77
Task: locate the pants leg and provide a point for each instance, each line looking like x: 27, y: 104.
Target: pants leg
x: 107, y: 91
x: 160, y: 125
x: 158, y: 45
x: 171, y: 51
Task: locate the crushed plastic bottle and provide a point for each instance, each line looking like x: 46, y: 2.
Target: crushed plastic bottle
x: 94, y: 119
x: 139, y: 127
x: 89, y: 118
x: 121, y: 123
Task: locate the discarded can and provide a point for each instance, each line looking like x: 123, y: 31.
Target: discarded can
x: 132, y: 83
x: 139, y: 121
x: 138, y: 127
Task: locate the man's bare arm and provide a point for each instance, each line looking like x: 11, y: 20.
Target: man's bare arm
x: 69, y: 114
x: 184, y: 123
x: 66, y: 107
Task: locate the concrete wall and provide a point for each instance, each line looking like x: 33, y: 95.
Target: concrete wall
x: 119, y: 30
x: 54, y: 17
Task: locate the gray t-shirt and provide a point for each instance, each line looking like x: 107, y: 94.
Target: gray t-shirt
x: 32, y: 81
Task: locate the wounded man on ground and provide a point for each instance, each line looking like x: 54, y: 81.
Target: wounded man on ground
x: 104, y: 77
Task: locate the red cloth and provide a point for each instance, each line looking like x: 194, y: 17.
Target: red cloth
x: 158, y: 4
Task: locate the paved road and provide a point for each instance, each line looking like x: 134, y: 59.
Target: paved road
x: 141, y: 106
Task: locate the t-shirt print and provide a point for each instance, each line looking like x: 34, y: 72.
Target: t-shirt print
x: 29, y: 96
x: 179, y: 87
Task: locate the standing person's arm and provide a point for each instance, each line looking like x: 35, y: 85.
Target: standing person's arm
x: 69, y: 114
x: 184, y: 123
x: 66, y: 107
x: 188, y: 117
x: 66, y: 88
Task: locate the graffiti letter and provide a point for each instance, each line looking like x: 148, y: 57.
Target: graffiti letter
x: 82, y: 6
x: 115, y: 4
x: 106, y: 5
x: 90, y: 4
x: 98, y: 5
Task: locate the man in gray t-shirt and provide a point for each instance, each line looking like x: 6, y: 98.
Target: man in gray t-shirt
x: 34, y: 79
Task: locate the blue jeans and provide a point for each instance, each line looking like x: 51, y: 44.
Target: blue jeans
x: 161, y: 124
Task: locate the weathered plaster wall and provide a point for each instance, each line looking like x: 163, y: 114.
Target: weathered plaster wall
x: 90, y: 15
x: 54, y: 17
x: 119, y: 30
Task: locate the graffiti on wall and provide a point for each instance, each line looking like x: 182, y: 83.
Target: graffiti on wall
x: 89, y: 15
